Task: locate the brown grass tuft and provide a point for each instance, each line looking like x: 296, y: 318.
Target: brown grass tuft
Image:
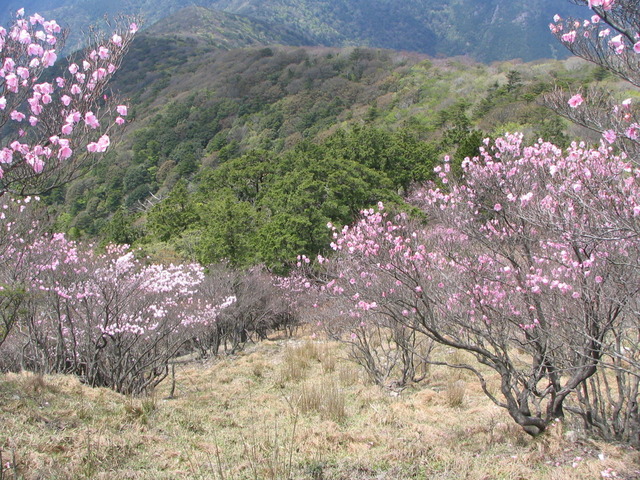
x: 455, y: 393
x: 325, y: 398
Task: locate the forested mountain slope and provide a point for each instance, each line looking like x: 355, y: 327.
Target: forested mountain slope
x: 487, y: 30
x: 246, y: 153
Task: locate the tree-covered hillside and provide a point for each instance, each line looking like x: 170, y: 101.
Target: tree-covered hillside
x: 245, y: 154
x: 487, y: 30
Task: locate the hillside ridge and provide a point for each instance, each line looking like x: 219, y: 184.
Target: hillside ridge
x: 487, y: 30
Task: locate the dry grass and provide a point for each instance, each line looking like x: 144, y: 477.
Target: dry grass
x: 288, y: 409
x: 455, y: 393
x: 324, y: 398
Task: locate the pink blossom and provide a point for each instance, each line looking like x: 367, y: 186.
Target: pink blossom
x: 73, y: 117
x: 36, y: 19
x: 91, y: 120
x: 100, y: 146
x: 609, y: 135
x: 43, y: 88
x: 64, y: 152
x: 49, y: 57
x: 11, y: 82
x: 22, y: 72
x: 122, y: 110
x: 576, y: 100
x: 24, y: 37
x: 617, y: 44
x: 17, y: 116
x: 51, y: 27
x: 35, y: 50
x: 9, y: 64
x: 6, y: 155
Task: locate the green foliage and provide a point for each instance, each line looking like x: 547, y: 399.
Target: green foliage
x: 552, y: 130
x: 227, y: 230
x: 120, y: 229
x: 244, y: 177
x: 400, y: 155
x: 267, y: 208
x: 468, y: 147
x: 173, y: 215
x: 286, y: 139
x: 312, y: 188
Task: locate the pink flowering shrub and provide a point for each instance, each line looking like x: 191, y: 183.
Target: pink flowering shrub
x: 609, y: 38
x: 18, y: 223
x: 109, y: 317
x: 53, y: 125
x: 530, y: 264
x: 348, y: 309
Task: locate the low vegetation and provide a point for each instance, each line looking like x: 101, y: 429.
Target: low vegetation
x: 248, y: 417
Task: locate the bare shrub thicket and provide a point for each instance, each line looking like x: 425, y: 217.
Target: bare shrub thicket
x: 262, y: 307
x: 392, y: 355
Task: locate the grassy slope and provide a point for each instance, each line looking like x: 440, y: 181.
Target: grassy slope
x: 286, y: 408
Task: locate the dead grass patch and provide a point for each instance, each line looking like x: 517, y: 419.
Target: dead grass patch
x: 324, y: 398
x: 237, y: 419
x: 455, y: 393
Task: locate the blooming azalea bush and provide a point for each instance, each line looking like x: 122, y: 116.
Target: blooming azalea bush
x: 53, y: 124
x: 529, y: 264
x: 18, y: 223
x: 108, y: 317
x: 392, y: 355
x: 609, y: 38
